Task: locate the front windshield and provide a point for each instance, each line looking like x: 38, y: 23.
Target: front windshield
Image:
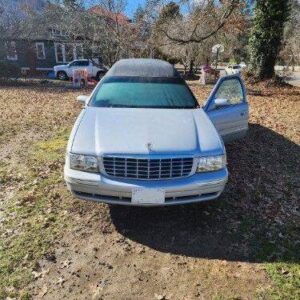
x: 142, y: 92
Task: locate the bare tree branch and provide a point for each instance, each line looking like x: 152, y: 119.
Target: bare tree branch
x: 196, y: 38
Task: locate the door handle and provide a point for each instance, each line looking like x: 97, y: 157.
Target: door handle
x: 243, y: 113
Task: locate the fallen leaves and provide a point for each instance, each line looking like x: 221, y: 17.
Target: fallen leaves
x: 42, y: 292
x: 66, y: 263
x: 160, y: 297
x: 60, y: 281
x: 257, y: 212
x: 40, y: 274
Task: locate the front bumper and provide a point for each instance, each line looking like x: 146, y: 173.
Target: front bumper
x: 96, y: 187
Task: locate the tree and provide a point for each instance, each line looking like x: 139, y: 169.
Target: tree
x: 138, y: 14
x: 205, y: 21
x: 102, y: 29
x: 120, y: 38
x: 266, y: 35
x: 170, y: 11
x: 290, y: 53
x: 189, y: 37
x: 162, y: 45
x: 73, y: 3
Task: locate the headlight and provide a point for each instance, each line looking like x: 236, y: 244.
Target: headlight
x: 211, y: 163
x: 83, y: 162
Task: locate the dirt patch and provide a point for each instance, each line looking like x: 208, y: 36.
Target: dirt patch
x: 234, y: 248
x: 97, y: 261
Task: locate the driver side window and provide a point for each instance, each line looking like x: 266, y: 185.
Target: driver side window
x: 73, y: 64
x: 231, y: 90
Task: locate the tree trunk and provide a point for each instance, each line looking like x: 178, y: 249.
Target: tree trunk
x: 266, y: 70
x: 191, y: 67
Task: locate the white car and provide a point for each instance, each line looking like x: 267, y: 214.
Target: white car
x: 142, y: 139
x: 243, y: 65
x: 233, y: 69
x: 64, y: 72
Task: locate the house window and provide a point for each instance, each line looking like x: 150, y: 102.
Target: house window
x: 57, y: 32
x: 78, y: 51
x: 59, y: 53
x: 40, y: 50
x: 11, y: 51
x: 68, y: 52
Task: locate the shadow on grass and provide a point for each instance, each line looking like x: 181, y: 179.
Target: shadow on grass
x: 254, y: 219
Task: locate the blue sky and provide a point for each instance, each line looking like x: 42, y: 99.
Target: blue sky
x: 132, y: 6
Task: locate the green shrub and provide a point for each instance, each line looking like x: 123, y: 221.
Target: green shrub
x: 8, y: 70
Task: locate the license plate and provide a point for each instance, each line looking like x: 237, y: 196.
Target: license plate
x: 148, y: 196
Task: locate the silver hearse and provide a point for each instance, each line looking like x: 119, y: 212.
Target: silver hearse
x: 142, y: 138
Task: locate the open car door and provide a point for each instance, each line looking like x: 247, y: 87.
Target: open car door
x: 228, y: 109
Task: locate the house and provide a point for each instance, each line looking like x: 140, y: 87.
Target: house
x: 118, y: 18
x: 36, y: 5
x: 41, y: 53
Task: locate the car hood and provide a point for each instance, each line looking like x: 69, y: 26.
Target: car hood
x: 101, y: 131
x: 60, y: 67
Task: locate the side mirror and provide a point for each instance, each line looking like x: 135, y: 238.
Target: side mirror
x: 83, y: 99
x: 221, y: 102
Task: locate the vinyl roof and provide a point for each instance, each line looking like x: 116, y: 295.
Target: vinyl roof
x: 142, y: 67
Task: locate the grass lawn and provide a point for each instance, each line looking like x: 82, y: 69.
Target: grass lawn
x: 244, y: 246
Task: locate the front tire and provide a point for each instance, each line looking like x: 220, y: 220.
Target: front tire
x: 61, y: 75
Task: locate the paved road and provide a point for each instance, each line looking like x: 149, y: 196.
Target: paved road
x: 295, y: 79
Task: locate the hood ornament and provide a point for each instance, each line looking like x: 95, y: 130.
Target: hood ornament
x: 149, y: 146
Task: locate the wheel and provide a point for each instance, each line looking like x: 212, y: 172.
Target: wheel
x: 99, y: 75
x: 61, y: 75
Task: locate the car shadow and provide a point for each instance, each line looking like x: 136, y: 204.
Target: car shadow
x: 254, y: 219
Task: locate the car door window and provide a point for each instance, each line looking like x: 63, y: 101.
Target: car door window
x: 74, y: 64
x: 228, y: 109
x: 231, y: 90
x: 83, y: 63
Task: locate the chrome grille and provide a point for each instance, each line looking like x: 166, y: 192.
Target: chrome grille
x: 147, y: 168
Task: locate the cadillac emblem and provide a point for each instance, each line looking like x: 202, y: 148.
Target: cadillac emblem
x: 149, y: 146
